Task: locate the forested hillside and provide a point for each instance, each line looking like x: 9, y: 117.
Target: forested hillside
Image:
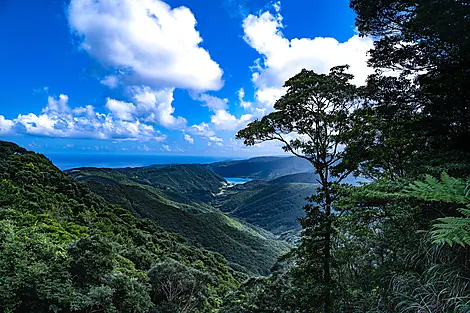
x: 262, y: 167
x: 177, y: 199
x: 275, y: 205
x: 65, y: 249
x: 187, y: 182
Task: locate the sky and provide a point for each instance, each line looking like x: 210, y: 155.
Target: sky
x: 172, y: 77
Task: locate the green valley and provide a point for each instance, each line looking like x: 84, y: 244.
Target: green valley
x: 64, y: 248
x: 177, y: 198
x: 262, y: 167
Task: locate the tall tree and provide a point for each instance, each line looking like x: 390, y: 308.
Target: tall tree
x: 312, y: 121
x: 430, y: 38
x: 387, y: 136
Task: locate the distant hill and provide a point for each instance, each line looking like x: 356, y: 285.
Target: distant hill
x: 173, y: 197
x: 307, y: 178
x: 183, y: 181
x: 262, y: 167
x: 273, y: 205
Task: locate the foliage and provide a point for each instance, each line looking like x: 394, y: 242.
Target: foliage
x: 179, y: 287
x: 450, y: 229
x: 312, y: 121
x: 247, y: 248
x: 63, y: 248
x: 387, y: 136
x: 274, y: 206
x: 261, y: 167
x: 387, y: 252
x: 429, y: 39
x: 398, y: 243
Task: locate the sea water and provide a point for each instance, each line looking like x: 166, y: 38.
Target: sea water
x: 237, y: 180
x: 66, y: 161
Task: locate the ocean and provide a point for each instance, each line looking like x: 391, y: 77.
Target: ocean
x: 66, y: 161
x: 237, y: 180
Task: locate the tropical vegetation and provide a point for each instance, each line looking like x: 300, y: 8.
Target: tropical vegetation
x: 138, y: 240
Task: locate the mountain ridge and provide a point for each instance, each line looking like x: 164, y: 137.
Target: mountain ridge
x: 184, y: 208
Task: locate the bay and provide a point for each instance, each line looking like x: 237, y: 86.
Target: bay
x: 237, y: 180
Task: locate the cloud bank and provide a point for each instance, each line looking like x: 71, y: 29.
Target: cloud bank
x: 147, y: 40
x: 57, y: 119
x: 281, y: 58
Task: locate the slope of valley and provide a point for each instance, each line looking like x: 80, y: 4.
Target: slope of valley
x: 97, y: 238
x: 177, y: 198
x: 65, y: 249
x: 272, y: 205
x: 262, y: 167
x: 251, y: 224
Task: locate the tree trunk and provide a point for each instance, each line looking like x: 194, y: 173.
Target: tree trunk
x: 327, y: 257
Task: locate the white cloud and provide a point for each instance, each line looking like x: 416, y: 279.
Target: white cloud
x: 267, y: 96
x: 154, y: 44
x: 282, y: 58
x: 166, y: 148
x: 5, y: 125
x: 59, y: 120
x: 122, y: 110
x: 223, y: 120
x: 155, y: 106
x: 88, y: 110
x: 56, y: 105
x: 216, y: 139
x: 213, y: 103
x: 241, y: 97
x: 188, y: 138
x: 202, y: 129
x: 150, y: 106
x: 111, y: 81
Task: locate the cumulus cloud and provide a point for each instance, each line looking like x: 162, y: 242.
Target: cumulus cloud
x: 5, y: 125
x: 56, y: 105
x: 57, y: 119
x: 166, y: 148
x: 152, y: 43
x: 224, y: 120
x: 88, y: 110
x: 122, y: 110
x: 205, y: 131
x: 156, y: 106
x: 282, y: 58
x: 153, y: 106
x: 202, y: 129
x: 188, y: 138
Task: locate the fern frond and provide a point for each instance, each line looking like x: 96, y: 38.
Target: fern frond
x: 447, y: 230
x: 447, y: 189
x: 452, y: 230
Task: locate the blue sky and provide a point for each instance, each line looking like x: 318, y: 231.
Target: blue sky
x: 160, y: 77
